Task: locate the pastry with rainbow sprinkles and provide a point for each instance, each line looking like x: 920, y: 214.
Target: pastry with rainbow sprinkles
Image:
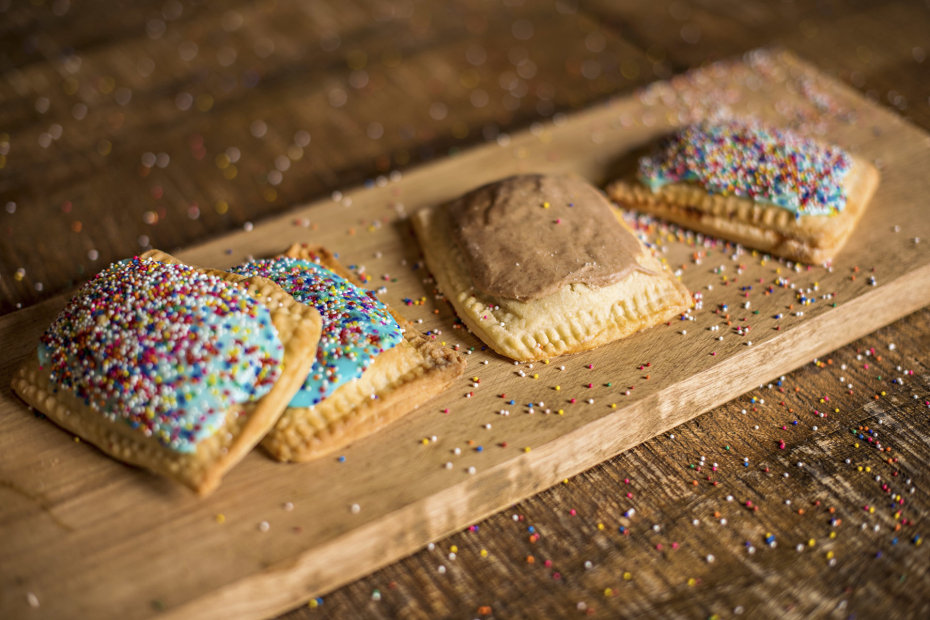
x: 767, y: 188
x: 542, y: 265
x: 174, y: 368
x: 371, y: 366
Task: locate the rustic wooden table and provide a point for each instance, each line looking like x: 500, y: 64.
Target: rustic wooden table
x: 162, y: 124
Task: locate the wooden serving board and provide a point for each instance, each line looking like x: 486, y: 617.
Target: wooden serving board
x: 84, y: 536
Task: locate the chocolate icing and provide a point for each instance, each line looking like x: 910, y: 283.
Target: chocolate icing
x: 526, y: 236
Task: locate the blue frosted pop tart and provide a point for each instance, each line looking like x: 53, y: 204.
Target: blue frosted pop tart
x: 174, y: 368
x: 371, y: 367
x: 766, y: 188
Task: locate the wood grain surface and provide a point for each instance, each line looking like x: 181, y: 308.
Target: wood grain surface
x: 118, y: 130
x: 505, y: 432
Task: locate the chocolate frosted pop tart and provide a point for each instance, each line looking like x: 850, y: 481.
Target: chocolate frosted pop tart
x: 174, y: 368
x: 769, y: 189
x: 543, y: 265
x: 371, y: 367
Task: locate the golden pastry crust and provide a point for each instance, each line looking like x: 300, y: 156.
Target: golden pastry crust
x: 575, y: 318
x: 809, y: 238
x: 398, y: 381
x: 298, y: 328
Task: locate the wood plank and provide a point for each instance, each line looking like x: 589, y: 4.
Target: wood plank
x: 593, y: 557
x: 75, y: 523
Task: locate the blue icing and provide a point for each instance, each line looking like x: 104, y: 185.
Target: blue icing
x: 165, y: 348
x: 356, y: 327
x: 774, y: 166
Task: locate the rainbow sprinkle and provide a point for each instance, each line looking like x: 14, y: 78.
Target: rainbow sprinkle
x: 166, y: 348
x: 733, y: 158
x: 356, y: 326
